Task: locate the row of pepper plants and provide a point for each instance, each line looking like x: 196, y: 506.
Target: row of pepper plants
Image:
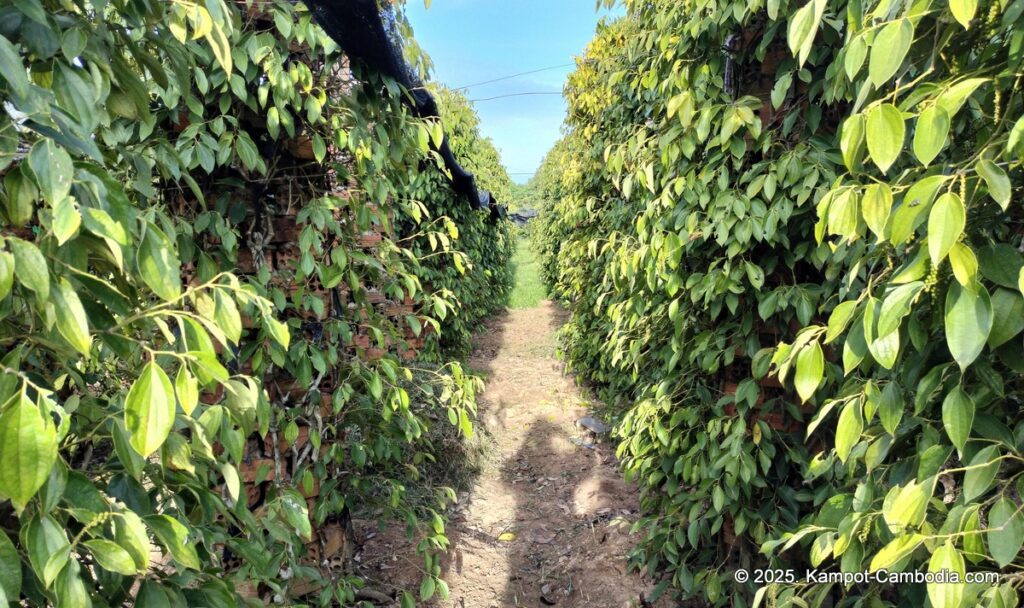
x: 480, y: 277
x: 789, y: 239
x: 141, y: 161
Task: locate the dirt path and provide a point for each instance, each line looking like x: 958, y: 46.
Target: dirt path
x: 547, y: 520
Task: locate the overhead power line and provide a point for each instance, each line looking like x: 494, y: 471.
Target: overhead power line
x: 517, y: 95
x: 510, y: 77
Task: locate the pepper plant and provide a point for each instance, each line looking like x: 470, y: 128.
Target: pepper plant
x: 151, y: 342
x: 837, y: 179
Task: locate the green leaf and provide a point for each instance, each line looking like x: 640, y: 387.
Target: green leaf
x: 13, y: 70
x: 839, y: 320
x: 1000, y: 263
x: 958, y: 417
x: 968, y: 321
x: 51, y: 166
x: 981, y: 473
x: 912, y: 213
x: 152, y: 595
x: 896, y: 306
x: 72, y: 322
x: 965, y: 265
x: 66, y: 219
x: 319, y: 148
x: 885, y: 134
x: 130, y: 533
x: 964, y: 11
x: 953, y: 97
x: 998, y: 182
x: 821, y: 548
x: 111, y: 556
x: 889, y: 49
x: 218, y: 41
x: 844, y: 214
x: 28, y: 450
x: 47, y: 547
x: 930, y: 134
x: 149, y: 410
x: 885, y: 349
x: 176, y: 455
x: 849, y: 429
x: 876, y: 207
x: 71, y: 591
x: 1005, y: 531
x: 803, y: 27
x: 810, y: 369
x: 159, y: 265
x: 906, y: 506
x: 10, y: 567
x: 945, y: 226
x: 30, y: 267
x: 247, y: 152
x: 187, y: 390
x: 890, y: 408
x: 226, y: 315
x: 293, y: 507
x: 851, y: 141
x: 855, y: 348
x: 6, y: 273
x: 856, y: 53
x: 174, y: 536
x: 427, y: 587
x: 21, y: 197
x: 946, y: 559
x: 273, y: 122
x: 1007, y: 316
x: 894, y: 552
x: 231, y: 481
x: 278, y: 331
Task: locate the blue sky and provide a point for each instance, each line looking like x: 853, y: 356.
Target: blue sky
x: 472, y: 41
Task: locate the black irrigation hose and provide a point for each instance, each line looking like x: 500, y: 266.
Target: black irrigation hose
x: 366, y: 31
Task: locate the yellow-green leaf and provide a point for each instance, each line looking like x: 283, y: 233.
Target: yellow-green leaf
x: 111, y: 556
x: 810, y: 369
x: 930, y: 134
x: 876, y: 207
x: 28, y: 450
x: 51, y: 166
x: 998, y: 182
x: 849, y: 429
x: 888, y: 50
x: 964, y: 11
x: 187, y: 390
x: 72, y: 322
x: 968, y: 321
x: 946, y: 559
x: 30, y: 267
x: 66, y: 219
x: 158, y: 264
x: 885, y: 134
x: 964, y: 263
x: 803, y: 27
x: 958, y: 416
x: 149, y: 410
x: 946, y: 224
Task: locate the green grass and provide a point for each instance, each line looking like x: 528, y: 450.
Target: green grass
x: 528, y: 290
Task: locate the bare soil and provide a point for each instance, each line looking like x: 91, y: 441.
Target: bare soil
x: 547, y: 520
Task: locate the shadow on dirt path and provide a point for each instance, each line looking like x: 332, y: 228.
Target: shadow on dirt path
x: 547, y: 519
